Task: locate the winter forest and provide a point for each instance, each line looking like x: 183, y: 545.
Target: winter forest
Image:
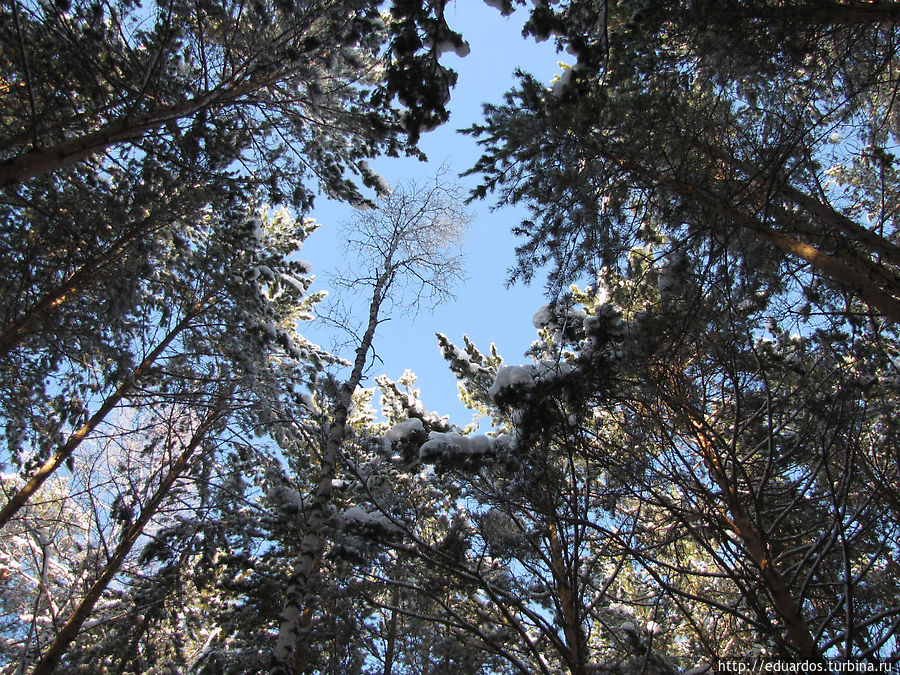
x: 695, y: 464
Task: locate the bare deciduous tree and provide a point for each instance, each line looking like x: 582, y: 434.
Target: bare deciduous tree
x: 407, y: 253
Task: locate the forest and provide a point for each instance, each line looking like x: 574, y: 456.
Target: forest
x: 696, y: 464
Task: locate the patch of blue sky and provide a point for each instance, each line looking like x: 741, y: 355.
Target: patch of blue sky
x: 485, y: 309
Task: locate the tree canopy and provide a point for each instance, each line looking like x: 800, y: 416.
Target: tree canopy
x: 695, y: 462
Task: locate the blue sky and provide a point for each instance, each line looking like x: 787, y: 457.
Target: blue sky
x: 485, y: 309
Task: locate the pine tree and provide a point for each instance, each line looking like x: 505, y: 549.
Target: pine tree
x: 220, y: 324
x: 262, y: 82
x: 709, y: 480
x: 111, y: 164
x: 142, y: 278
x: 698, y: 118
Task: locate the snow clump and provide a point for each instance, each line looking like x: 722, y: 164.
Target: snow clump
x: 528, y: 377
x: 461, y: 50
x: 451, y: 446
x: 379, y: 182
x: 358, y: 517
x: 498, y: 5
x: 459, y: 360
x: 452, y: 443
x: 561, y: 80
x: 288, y: 500
x: 543, y: 317
x: 401, y: 432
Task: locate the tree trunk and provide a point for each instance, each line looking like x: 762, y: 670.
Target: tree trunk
x: 872, y: 282
x: 39, y: 161
x: 786, y: 606
x: 575, y: 638
x: 69, y: 631
x: 869, y: 291
x: 70, y: 288
x: 312, y: 547
x: 391, y: 646
x: 19, y: 499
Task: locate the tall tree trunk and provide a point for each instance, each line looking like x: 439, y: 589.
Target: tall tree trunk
x: 872, y: 282
x: 856, y: 268
x: 798, y: 633
x: 70, y: 288
x: 70, y: 629
x: 576, y: 641
x: 295, y: 615
x: 391, y: 647
x: 31, y: 486
x: 127, y: 128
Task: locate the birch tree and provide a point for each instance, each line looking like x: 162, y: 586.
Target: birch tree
x: 408, y: 251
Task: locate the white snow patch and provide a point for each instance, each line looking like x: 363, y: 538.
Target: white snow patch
x: 256, y: 228
x: 459, y: 358
x: 591, y: 324
x: 528, y: 377
x: 454, y: 444
x: 509, y: 377
x: 559, y: 84
x: 575, y: 315
x: 263, y: 271
x: 551, y: 370
x: 382, y: 186
x: 288, y: 498
x: 462, y: 50
x: 299, y: 284
x: 266, y: 327
x: 543, y: 317
x: 356, y: 515
x: 401, y: 431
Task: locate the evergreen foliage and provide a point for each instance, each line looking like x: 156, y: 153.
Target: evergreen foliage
x: 698, y: 462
